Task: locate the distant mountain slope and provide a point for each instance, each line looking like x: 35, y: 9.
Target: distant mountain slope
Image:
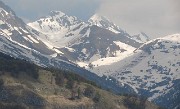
x: 153, y: 70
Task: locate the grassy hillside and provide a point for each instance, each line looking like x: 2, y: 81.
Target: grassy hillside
x: 24, y: 85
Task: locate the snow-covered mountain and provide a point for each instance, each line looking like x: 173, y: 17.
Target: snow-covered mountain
x: 152, y: 70
x: 85, y: 42
x: 20, y: 41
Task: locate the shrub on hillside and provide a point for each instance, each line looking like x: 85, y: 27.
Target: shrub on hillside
x: 89, y: 92
x: 70, y: 84
x: 134, y: 103
x: 96, y: 97
x: 59, y: 79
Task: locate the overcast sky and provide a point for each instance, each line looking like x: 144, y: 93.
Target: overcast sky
x: 154, y: 17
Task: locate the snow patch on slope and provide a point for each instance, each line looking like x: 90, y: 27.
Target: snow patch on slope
x: 97, y: 61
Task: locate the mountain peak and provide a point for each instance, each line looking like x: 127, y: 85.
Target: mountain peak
x: 104, y: 22
x: 96, y: 19
x: 96, y: 16
x: 57, y: 13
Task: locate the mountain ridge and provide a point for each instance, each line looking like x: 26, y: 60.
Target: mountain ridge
x: 83, y: 34
x: 96, y: 19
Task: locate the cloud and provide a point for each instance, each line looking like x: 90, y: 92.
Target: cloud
x: 155, y: 17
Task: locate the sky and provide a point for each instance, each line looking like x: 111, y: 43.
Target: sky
x: 156, y: 18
